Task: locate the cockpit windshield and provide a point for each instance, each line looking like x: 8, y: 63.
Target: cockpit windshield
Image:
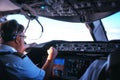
x: 53, y: 30
x: 61, y: 30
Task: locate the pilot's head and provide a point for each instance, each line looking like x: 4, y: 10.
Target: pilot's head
x: 10, y: 29
x: 12, y: 33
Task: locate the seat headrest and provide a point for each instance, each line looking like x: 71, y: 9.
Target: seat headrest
x: 113, y: 65
x: 114, y: 58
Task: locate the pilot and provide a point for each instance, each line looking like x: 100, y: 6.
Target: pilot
x: 17, y: 64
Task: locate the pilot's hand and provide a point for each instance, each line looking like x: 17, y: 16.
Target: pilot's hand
x: 52, y: 53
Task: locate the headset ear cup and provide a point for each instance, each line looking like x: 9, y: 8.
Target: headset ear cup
x: 1, y: 34
x: 13, y: 36
x: 9, y: 37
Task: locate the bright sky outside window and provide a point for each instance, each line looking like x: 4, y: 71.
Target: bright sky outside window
x: 112, y: 26
x: 53, y: 30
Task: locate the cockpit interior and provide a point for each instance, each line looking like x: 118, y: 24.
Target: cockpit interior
x: 81, y: 30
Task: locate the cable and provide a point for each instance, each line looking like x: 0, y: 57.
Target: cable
x: 40, y: 25
x: 27, y: 25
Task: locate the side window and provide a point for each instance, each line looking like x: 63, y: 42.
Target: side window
x: 112, y: 26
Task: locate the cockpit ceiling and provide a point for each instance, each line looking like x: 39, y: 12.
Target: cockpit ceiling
x: 76, y: 10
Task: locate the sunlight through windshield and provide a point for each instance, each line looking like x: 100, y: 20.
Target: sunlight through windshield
x: 112, y: 26
x: 53, y: 30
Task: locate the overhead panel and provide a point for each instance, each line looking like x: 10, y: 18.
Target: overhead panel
x: 78, y: 10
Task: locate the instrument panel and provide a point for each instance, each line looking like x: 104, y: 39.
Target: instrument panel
x: 73, y: 57
x: 83, y: 46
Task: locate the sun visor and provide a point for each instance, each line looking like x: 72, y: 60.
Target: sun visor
x: 7, y: 7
